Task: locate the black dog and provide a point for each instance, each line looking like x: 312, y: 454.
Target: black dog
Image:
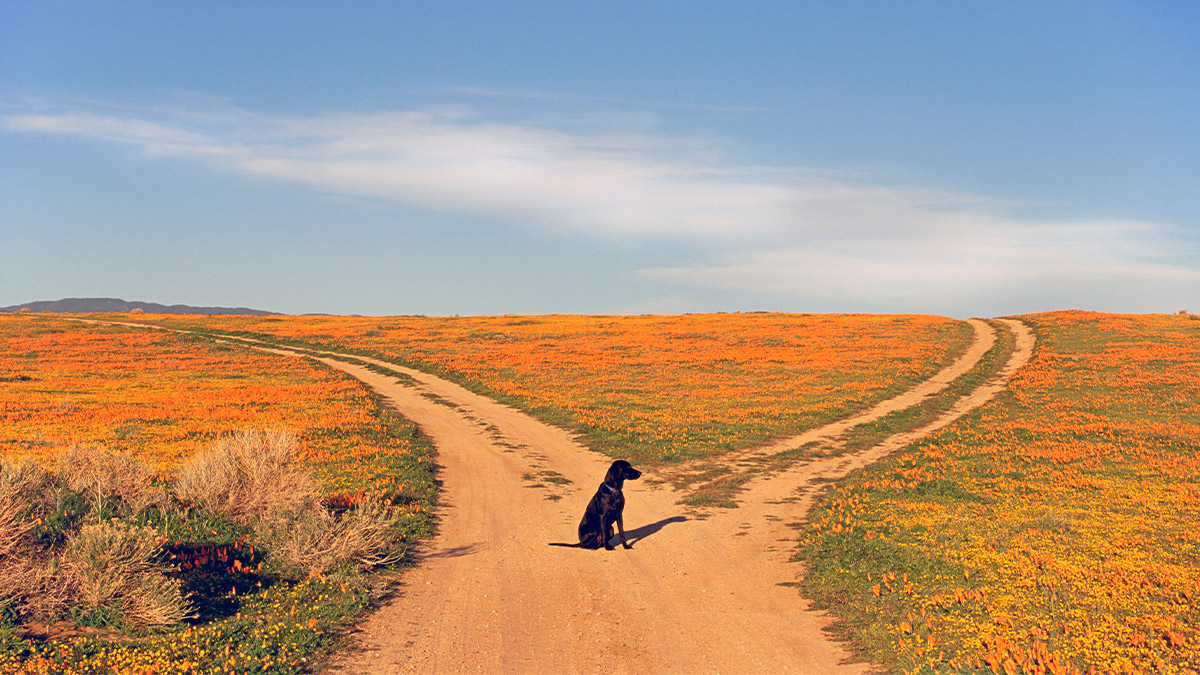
x: 596, y: 528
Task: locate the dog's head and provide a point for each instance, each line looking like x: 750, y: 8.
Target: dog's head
x: 621, y: 471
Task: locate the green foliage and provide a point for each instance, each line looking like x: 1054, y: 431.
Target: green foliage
x: 945, y: 489
x: 63, y: 518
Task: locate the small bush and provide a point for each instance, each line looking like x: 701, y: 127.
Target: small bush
x: 34, y: 586
x: 33, y: 485
x: 56, y: 557
x: 102, y: 474
x: 370, y: 532
x: 305, y: 540
x: 316, y: 540
x: 87, y: 540
x: 23, y: 472
x: 248, y: 477
x: 30, y: 581
x: 113, y: 564
x: 14, y: 524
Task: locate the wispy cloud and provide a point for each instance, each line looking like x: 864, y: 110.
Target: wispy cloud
x: 789, y: 231
x: 1002, y: 270
x: 604, y: 183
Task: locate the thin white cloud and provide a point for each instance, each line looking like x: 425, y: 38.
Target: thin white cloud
x: 151, y: 137
x: 788, y: 231
x: 995, y: 268
x: 616, y: 184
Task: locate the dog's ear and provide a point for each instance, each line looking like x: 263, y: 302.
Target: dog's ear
x: 614, y: 471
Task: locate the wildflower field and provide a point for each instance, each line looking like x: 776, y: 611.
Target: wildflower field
x: 163, y: 396
x: 649, y: 388
x: 1052, y: 531
x: 112, y: 443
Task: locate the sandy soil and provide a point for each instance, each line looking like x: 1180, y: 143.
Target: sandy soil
x: 694, y: 595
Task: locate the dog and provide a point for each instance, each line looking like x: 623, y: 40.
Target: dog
x: 605, y: 509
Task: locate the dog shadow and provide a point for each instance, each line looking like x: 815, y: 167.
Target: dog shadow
x: 639, y: 533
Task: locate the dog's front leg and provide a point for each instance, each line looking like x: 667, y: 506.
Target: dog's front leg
x: 606, y: 532
x: 621, y: 529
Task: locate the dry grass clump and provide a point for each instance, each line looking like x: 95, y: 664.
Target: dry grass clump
x: 254, y: 479
x: 26, y: 482
x: 248, y: 477
x: 74, y: 541
x: 101, y: 564
x: 102, y: 474
x: 368, y: 534
x: 113, y: 564
x: 31, y: 585
x: 33, y: 588
x: 315, y: 540
x: 13, y: 522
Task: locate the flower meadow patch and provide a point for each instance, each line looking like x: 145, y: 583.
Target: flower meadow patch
x: 649, y: 388
x: 667, y: 387
x: 1053, y: 531
x: 97, y: 421
x: 163, y: 396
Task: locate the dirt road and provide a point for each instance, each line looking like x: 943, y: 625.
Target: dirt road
x: 692, y: 596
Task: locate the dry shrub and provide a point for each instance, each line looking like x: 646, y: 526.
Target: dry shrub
x: 101, y: 473
x: 33, y: 484
x: 14, y: 521
x: 370, y: 534
x: 35, y: 586
x: 114, y: 563
x: 248, y: 477
x: 102, y: 564
x: 24, y: 472
x: 30, y: 579
x: 315, y: 540
x: 254, y: 480
x: 157, y: 600
x: 306, y: 540
x: 109, y: 564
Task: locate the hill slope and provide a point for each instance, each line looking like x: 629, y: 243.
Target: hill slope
x: 117, y: 306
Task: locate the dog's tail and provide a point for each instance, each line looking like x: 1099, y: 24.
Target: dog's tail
x: 559, y: 543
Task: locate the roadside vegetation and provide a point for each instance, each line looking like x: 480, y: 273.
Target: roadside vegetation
x: 1052, y: 531
x: 144, y: 528
x: 238, y: 561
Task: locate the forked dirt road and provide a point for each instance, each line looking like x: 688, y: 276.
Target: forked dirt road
x: 692, y: 596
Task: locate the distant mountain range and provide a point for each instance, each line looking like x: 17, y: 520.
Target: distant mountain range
x: 118, y: 306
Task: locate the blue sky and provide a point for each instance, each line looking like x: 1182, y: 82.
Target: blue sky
x: 959, y: 158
